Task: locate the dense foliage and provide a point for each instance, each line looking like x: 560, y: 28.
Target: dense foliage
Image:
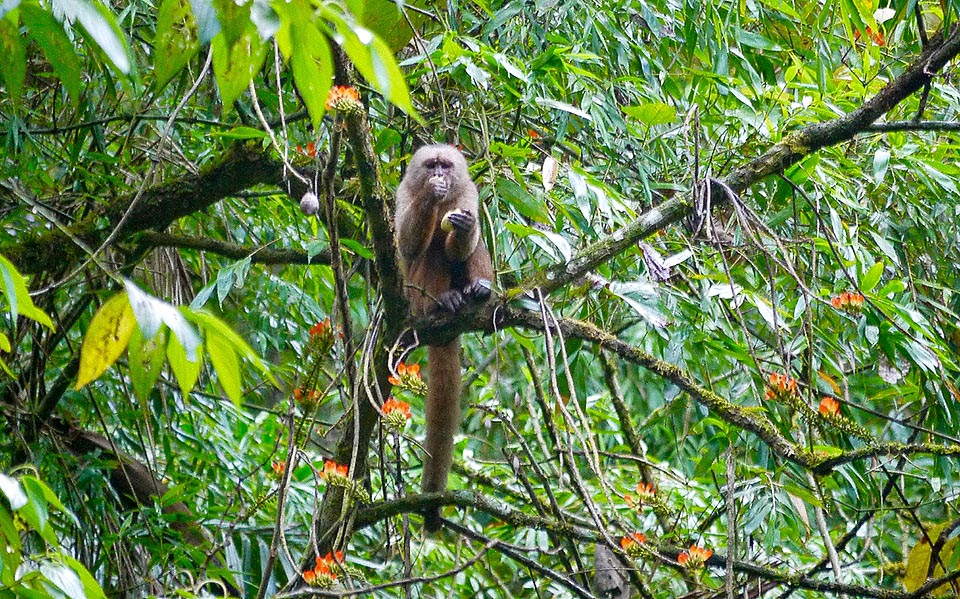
x: 722, y: 357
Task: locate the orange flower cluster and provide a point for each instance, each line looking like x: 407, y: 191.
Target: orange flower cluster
x: 876, y: 36
x: 409, y: 379
x: 632, y: 542
x: 396, y: 413
x: 829, y: 406
x: 645, y: 494
x: 695, y: 557
x: 309, y: 150
x: 278, y: 469
x: 344, y: 98
x: 782, y: 387
x: 335, y: 474
x: 307, y: 400
x: 324, y: 574
x: 851, y: 303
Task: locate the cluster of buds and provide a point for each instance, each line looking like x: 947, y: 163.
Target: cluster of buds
x: 324, y: 572
x: 632, y: 544
x: 321, y: 338
x: 829, y: 407
x: 277, y: 468
x: 396, y: 413
x: 646, y: 494
x: 851, y: 303
x: 830, y: 411
x: 408, y: 378
x: 782, y: 388
x: 695, y: 557
x: 307, y: 399
x: 344, y: 99
x: 335, y: 474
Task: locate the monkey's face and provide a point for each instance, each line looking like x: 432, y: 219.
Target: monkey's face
x: 440, y: 175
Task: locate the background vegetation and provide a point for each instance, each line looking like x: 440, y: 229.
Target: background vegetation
x: 723, y: 357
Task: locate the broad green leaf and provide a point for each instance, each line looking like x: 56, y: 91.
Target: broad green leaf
x: 373, y: 59
x: 312, y: 64
x: 213, y: 326
x: 177, y: 40
x: 48, y: 33
x: 13, y: 67
x: 870, y: 278
x: 147, y: 357
x: 106, y: 338
x: 91, y: 588
x: 64, y: 578
x: 18, y: 296
x: 223, y: 356
x: 525, y: 203
x: 242, y: 133
x: 234, y: 65
x: 186, y: 370
x: 13, y: 491
x: 652, y: 113
x: 101, y: 25
x: 564, y: 106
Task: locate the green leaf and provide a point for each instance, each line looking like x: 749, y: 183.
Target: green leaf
x: 213, y: 326
x: 227, y: 366
x: 185, y: 369
x: 234, y: 65
x: 91, y: 588
x: 241, y: 133
x: 18, y: 296
x: 652, y: 113
x: 525, y: 203
x: 63, y: 577
x: 13, y: 491
x: 312, y: 64
x: 13, y: 67
x: 870, y: 278
x: 373, y: 59
x: 101, y: 25
x: 57, y: 47
x: 177, y: 40
x: 106, y: 338
x: 147, y: 357
x: 564, y: 106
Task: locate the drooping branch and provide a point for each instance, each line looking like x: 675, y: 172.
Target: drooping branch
x: 780, y: 156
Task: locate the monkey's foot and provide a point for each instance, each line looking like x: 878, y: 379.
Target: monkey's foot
x: 479, y: 290
x: 452, y: 301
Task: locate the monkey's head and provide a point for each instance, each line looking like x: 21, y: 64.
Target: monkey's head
x: 439, y: 169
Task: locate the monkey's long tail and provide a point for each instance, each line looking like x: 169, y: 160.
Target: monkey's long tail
x: 443, y: 421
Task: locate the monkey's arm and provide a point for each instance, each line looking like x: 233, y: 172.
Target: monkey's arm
x: 416, y: 220
x: 463, y: 237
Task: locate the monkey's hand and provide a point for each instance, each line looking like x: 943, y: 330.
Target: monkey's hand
x: 462, y: 220
x: 439, y: 185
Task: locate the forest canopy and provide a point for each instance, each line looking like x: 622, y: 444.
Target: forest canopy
x: 719, y: 359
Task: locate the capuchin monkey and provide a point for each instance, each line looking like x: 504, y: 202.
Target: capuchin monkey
x: 445, y: 267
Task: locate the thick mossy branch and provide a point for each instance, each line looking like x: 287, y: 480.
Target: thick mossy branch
x: 495, y: 316
x: 779, y: 157
x: 233, y: 250
x: 241, y: 167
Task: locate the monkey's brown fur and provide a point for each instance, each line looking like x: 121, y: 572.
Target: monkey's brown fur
x: 442, y: 270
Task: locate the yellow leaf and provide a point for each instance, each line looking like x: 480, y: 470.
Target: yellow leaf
x: 918, y: 562
x: 106, y: 338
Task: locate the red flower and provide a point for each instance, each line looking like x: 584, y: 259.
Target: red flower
x: 632, y: 542
x: 849, y: 302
